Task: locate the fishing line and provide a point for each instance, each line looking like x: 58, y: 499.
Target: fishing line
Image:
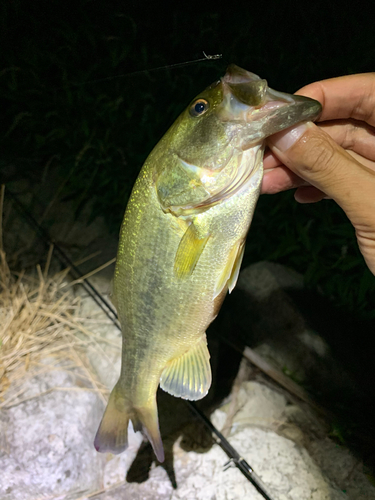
x: 206, y: 57
x: 235, y: 458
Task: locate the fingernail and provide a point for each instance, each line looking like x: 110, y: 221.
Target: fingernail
x: 285, y: 139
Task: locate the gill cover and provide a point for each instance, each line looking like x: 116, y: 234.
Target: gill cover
x: 212, y: 149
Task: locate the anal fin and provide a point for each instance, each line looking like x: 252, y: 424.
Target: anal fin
x: 189, y: 376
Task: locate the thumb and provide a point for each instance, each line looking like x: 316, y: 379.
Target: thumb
x: 315, y: 157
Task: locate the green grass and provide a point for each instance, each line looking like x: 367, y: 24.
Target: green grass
x: 59, y: 115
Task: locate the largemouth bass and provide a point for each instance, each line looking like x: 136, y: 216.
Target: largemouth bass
x: 182, y: 242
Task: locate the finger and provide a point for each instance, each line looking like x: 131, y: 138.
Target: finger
x: 360, y: 159
x: 345, y: 97
x: 351, y: 96
x: 280, y: 179
x: 356, y: 137
x: 270, y: 160
x: 309, y: 194
x: 277, y: 177
x: 313, y: 155
x: 353, y: 135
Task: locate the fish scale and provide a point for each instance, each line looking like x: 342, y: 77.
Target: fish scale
x: 182, y: 241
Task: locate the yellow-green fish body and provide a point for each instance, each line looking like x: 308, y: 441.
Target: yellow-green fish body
x: 182, y: 243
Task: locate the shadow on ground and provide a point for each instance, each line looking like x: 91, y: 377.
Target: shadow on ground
x: 335, y: 371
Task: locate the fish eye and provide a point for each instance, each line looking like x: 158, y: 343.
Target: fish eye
x: 199, y: 107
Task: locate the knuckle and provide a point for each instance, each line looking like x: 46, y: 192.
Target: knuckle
x: 321, y: 155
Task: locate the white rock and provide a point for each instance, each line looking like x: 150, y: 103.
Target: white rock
x: 47, y: 446
x: 46, y: 443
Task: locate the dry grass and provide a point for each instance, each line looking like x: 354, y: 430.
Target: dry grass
x: 38, y: 322
x: 40, y: 331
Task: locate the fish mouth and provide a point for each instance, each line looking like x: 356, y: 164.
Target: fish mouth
x: 248, y: 98
x: 249, y: 112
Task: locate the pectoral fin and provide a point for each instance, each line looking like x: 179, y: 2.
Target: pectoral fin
x: 188, y: 252
x: 229, y: 275
x: 236, y: 267
x: 189, y: 376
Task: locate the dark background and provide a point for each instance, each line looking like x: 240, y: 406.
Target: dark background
x: 82, y: 107
x: 93, y: 136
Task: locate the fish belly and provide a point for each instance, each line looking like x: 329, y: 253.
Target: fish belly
x: 162, y: 315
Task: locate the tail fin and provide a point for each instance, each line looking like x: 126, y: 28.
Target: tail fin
x: 112, y: 435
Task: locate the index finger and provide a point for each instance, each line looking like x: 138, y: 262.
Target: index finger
x: 351, y: 96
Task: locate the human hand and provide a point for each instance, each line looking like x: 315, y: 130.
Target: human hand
x: 335, y: 159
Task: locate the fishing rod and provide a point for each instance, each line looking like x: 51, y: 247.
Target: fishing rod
x: 235, y: 459
x: 64, y: 260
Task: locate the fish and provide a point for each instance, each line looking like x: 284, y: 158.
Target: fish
x: 181, y: 245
